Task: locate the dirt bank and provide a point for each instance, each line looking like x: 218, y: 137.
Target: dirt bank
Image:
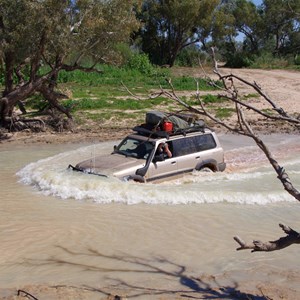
x: 282, y: 86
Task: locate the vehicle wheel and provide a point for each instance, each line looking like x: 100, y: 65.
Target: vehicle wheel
x: 206, y: 169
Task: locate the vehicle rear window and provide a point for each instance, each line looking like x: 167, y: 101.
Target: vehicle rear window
x: 193, y: 144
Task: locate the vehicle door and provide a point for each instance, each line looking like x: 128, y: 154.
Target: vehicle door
x: 207, y: 147
x: 166, y: 167
x: 194, y: 151
x: 185, y: 152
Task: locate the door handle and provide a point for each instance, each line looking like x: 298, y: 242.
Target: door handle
x: 197, y: 157
x: 173, y: 162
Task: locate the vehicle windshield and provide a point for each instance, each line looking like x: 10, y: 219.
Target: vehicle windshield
x: 135, y: 148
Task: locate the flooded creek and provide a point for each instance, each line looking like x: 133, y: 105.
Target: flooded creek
x: 63, y: 227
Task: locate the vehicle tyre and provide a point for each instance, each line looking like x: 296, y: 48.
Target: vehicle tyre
x: 206, y: 169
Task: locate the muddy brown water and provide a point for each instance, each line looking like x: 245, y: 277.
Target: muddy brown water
x: 58, y: 227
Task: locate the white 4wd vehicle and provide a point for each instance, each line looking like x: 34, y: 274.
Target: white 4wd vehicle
x: 144, y: 155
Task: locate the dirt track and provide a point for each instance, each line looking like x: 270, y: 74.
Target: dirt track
x: 282, y: 86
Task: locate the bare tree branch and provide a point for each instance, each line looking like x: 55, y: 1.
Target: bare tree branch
x: 292, y: 237
x: 283, y: 115
x: 242, y: 127
x: 281, y: 174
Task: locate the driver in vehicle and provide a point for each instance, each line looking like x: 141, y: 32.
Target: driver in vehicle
x: 162, y: 150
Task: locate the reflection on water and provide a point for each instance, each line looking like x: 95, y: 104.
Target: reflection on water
x: 58, y: 226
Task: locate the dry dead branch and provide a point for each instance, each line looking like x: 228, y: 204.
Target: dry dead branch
x: 292, y: 237
x: 230, y: 92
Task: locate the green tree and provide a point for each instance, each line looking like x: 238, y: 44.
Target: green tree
x: 57, y: 35
x: 281, y: 23
x: 172, y: 25
x: 234, y: 18
x: 248, y: 21
x: 272, y: 27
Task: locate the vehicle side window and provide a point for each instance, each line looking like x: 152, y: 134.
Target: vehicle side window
x: 183, y: 146
x: 193, y: 144
x: 161, y: 155
x: 205, y: 142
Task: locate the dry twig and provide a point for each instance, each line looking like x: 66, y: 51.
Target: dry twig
x: 243, y: 128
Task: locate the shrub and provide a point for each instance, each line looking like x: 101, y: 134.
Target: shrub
x: 190, y: 56
x: 141, y: 63
x: 297, y: 60
x: 125, y: 52
x: 238, y: 60
x: 268, y: 61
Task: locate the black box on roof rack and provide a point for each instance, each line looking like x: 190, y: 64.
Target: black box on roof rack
x: 155, y: 117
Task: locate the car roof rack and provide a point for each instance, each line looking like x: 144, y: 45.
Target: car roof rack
x: 144, y: 130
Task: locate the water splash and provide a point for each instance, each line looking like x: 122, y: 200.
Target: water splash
x: 247, y: 180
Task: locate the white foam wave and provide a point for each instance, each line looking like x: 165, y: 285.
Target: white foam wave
x: 51, y: 177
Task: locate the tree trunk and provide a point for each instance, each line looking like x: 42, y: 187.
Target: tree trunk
x: 53, y: 97
x: 9, y: 63
x: 9, y: 101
